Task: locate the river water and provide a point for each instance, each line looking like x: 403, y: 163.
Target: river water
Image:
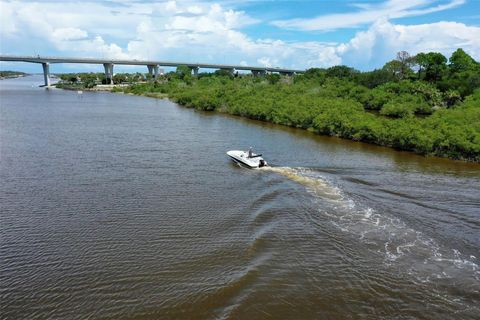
x: 126, y: 207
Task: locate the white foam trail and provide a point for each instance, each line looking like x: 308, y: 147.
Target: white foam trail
x: 314, y: 184
x: 383, y: 233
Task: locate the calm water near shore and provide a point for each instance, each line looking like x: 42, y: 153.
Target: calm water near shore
x: 126, y: 207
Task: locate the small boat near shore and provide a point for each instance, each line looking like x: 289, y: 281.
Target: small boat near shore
x: 247, y: 158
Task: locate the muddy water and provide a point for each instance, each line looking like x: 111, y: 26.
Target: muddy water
x: 123, y: 207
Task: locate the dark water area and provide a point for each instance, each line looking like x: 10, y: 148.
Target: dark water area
x: 126, y: 207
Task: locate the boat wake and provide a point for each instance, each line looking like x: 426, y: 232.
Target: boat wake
x: 314, y: 184
x: 381, y: 233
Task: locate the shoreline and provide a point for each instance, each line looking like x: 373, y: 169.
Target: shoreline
x: 14, y: 76
x: 98, y: 88
x: 224, y: 111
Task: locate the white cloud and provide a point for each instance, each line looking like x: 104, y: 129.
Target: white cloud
x: 326, y: 57
x: 368, y: 14
x: 97, y: 45
x: 171, y: 6
x: 383, y: 39
x: 62, y: 34
x: 194, y: 9
x: 215, y: 19
x: 266, y: 62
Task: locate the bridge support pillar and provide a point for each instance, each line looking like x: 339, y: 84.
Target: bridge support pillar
x: 153, y: 71
x: 258, y: 73
x: 108, y: 72
x: 286, y: 73
x: 46, y: 73
x: 195, y: 71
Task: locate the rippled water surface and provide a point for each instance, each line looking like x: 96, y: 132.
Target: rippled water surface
x: 125, y: 207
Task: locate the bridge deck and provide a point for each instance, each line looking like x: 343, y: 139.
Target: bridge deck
x: 38, y: 59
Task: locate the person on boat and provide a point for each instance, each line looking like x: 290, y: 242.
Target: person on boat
x: 250, y: 152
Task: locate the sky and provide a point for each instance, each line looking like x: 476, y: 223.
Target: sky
x: 301, y: 34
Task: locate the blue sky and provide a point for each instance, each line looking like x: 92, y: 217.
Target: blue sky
x: 295, y: 34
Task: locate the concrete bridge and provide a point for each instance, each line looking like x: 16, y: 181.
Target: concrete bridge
x: 152, y: 65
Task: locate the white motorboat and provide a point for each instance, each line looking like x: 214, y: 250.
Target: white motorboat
x: 248, y: 158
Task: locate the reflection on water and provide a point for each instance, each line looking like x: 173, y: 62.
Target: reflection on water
x: 118, y: 206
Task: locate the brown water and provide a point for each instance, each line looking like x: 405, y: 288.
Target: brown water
x: 123, y: 207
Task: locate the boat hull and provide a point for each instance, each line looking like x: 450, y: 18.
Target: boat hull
x: 242, y: 157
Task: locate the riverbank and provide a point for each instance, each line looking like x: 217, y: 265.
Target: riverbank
x: 331, y: 110
x: 81, y: 87
x: 11, y: 74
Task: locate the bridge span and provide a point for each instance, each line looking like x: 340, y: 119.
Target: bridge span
x: 152, y: 65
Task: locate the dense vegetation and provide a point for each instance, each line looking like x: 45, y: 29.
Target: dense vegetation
x: 11, y: 74
x: 90, y: 80
x: 426, y: 103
